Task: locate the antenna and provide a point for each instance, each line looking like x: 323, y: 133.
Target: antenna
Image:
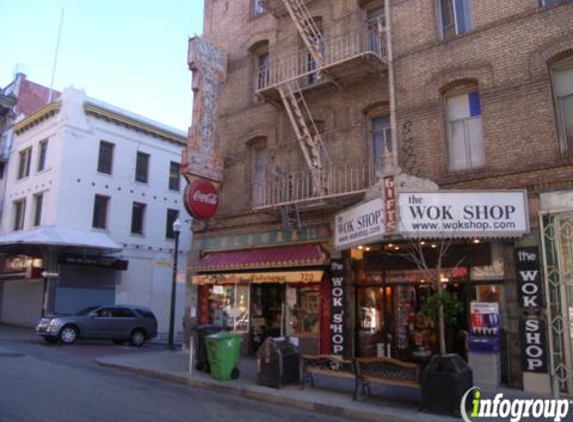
x: 56, y: 56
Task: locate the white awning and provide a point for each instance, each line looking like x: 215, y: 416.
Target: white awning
x: 59, y: 237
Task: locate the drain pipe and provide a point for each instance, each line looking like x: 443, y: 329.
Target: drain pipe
x: 391, y: 92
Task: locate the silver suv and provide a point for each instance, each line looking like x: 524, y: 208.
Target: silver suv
x: 119, y: 323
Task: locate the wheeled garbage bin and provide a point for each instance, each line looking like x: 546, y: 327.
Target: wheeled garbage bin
x: 202, y: 361
x: 223, y: 350
x: 277, y: 363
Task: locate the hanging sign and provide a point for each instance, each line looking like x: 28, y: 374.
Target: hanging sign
x: 201, y: 199
x: 338, y: 331
x: 363, y: 223
x: 390, y: 204
x: 529, y: 286
x: 534, y: 345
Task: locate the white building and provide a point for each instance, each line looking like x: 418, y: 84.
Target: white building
x: 86, y: 179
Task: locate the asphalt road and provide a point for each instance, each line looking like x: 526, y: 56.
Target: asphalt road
x: 54, y: 383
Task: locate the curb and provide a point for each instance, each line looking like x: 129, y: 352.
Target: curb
x: 249, y: 393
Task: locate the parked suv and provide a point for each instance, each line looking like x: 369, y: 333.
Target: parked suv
x: 119, y: 323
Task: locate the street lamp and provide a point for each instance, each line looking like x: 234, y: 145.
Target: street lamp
x: 176, y: 230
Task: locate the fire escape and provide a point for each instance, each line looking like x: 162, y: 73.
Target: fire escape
x: 284, y: 80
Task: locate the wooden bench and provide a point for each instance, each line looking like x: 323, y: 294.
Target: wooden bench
x: 385, y: 371
x: 329, y: 365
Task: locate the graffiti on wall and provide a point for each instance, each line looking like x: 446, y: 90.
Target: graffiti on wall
x: 209, y: 67
x: 408, y: 162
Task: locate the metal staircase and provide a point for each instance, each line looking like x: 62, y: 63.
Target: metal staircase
x: 309, y: 32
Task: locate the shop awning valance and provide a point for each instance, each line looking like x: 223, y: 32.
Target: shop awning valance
x: 260, y: 277
x: 276, y: 257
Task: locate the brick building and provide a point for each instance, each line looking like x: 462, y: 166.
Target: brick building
x: 296, y: 104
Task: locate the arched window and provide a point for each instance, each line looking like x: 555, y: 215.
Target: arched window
x: 261, y: 64
x: 464, y: 127
x: 562, y: 73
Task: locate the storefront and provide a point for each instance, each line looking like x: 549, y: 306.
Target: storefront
x: 267, y: 292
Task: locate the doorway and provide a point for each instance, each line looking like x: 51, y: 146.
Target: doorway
x: 267, y: 310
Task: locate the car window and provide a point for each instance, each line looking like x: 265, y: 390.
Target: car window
x: 146, y: 313
x: 104, y: 313
x: 123, y: 313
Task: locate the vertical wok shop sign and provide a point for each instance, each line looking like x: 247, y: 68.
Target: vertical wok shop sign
x: 338, y: 332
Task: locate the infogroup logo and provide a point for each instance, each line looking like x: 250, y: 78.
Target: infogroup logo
x: 513, y: 410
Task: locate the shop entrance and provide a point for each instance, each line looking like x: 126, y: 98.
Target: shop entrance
x: 267, y: 310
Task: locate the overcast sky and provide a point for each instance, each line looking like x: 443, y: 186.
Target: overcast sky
x: 129, y: 53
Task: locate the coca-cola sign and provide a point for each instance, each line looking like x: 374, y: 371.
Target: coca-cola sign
x: 201, y: 199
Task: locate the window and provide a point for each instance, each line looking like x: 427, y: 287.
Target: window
x: 465, y: 137
x: 19, y: 212
x: 229, y: 306
x: 311, y: 65
x: 142, y: 167
x: 260, y: 63
x: 122, y: 313
x: 548, y: 3
x: 137, y: 216
x: 381, y: 138
x: 563, y: 89
x: 24, y: 159
x: 38, y: 202
x: 258, y: 7
x: 171, y: 217
x: 260, y: 161
x: 42, y: 155
x: 174, y: 176
x: 105, y: 159
x: 302, y: 310
x: 263, y: 70
x: 375, y: 25
x: 455, y: 17
x: 100, y: 212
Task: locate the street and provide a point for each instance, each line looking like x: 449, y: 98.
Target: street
x: 49, y: 383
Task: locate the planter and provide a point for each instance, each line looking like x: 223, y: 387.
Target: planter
x: 444, y: 381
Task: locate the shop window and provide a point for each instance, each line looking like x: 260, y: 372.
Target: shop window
x: 174, y: 176
x: 38, y: 202
x: 455, y: 17
x: 380, y: 138
x: 563, y: 91
x: 24, y: 159
x: 42, y: 155
x: 229, y: 306
x: 260, y: 163
x: 105, y: 157
x: 303, y: 304
x: 142, y: 167
x: 101, y: 204
x: 19, y: 212
x: 464, y: 127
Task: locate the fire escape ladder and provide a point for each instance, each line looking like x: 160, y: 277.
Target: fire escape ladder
x: 310, y: 33
x: 308, y: 136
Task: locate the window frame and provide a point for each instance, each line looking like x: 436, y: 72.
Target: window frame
x: 101, y: 164
x: 138, y: 205
x: 19, y: 214
x: 447, y: 95
x: 258, y: 198
x: 38, y: 208
x: 389, y: 141
x: 24, y: 163
x: 142, y: 173
x: 560, y: 66
x: 555, y: 4
x: 174, y: 182
x: 42, y: 155
x: 169, y: 232
x: 105, y: 213
x: 446, y: 35
x: 257, y: 8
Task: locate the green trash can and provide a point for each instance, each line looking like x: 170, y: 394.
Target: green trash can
x: 223, y: 352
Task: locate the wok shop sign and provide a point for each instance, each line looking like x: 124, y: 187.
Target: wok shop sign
x: 361, y: 224
x: 464, y: 214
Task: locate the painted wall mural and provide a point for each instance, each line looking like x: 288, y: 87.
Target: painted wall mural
x: 209, y: 67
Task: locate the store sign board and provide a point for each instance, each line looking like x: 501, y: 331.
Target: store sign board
x: 261, y: 277
x: 464, y: 214
x: 201, y: 199
x: 361, y: 224
x: 338, y: 331
x: 390, y: 204
x: 534, y: 345
x: 529, y: 286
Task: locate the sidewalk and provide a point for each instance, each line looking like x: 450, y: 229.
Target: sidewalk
x: 329, y: 396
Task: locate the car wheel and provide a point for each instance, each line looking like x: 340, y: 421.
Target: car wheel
x: 68, y: 334
x: 118, y: 341
x: 50, y: 340
x: 137, y: 338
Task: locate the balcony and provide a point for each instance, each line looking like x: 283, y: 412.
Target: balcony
x: 352, y: 49
x: 278, y: 9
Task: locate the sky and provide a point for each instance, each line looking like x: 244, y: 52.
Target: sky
x: 129, y: 53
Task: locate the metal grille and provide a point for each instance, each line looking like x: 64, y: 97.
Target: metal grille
x: 557, y: 236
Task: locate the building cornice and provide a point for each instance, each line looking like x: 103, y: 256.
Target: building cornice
x: 38, y: 117
x: 131, y: 123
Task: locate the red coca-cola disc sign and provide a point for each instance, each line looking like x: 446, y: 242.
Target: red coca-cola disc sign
x: 201, y: 199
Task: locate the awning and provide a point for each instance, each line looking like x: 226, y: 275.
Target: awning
x: 261, y: 277
x: 275, y: 257
x: 56, y: 236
